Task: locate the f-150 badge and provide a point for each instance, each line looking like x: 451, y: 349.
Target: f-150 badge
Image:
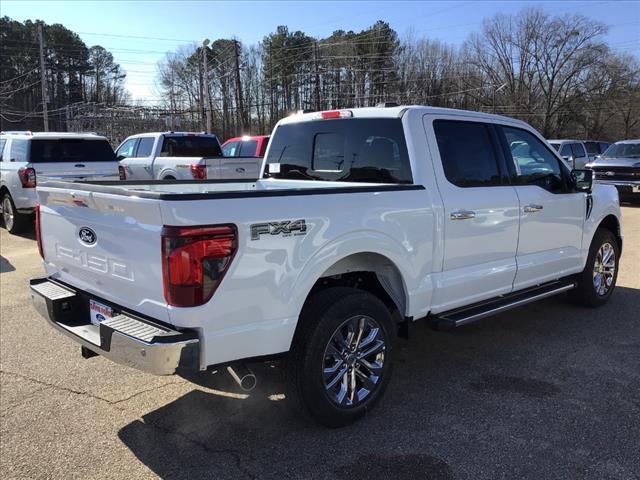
x: 285, y: 228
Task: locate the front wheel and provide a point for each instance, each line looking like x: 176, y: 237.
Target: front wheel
x: 342, y: 355
x: 598, y: 279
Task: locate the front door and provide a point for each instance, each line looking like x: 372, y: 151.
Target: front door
x: 480, y: 213
x: 551, y: 213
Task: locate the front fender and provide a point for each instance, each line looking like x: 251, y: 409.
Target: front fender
x: 605, y: 203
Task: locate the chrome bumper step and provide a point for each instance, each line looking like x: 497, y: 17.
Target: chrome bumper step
x: 125, y: 338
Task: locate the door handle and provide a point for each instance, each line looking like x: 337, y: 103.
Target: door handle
x: 532, y: 208
x: 462, y: 215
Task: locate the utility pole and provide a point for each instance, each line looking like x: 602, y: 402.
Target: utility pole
x: 43, y: 80
x: 315, y: 58
x: 207, y: 110
x: 239, y: 106
x: 203, y: 124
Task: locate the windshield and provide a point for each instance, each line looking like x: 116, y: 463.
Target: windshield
x: 71, y: 150
x: 623, y: 150
x: 190, y: 146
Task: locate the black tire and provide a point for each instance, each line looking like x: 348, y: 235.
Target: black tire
x: 20, y: 222
x: 586, y: 292
x: 324, y: 315
x: 169, y: 177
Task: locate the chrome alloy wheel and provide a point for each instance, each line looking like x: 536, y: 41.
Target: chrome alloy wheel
x: 604, y: 269
x: 7, y: 213
x: 354, y: 360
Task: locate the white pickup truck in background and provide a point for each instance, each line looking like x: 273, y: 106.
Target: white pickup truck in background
x: 28, y: 157
x: 369, y: 219
x: 181, y: 156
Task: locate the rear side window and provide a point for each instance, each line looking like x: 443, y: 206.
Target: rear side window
x: 19, y: 150
x: 145, y: 147
x: 71, y: 150
x: 248, y: 148
x: 467, y: 153
x: 592, y: 148
x: 190, y: 146
x: 350, y: 150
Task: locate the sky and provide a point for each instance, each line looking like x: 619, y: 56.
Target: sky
x: 168, y: 24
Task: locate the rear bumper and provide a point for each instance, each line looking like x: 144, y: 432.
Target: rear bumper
x: 126, y: 338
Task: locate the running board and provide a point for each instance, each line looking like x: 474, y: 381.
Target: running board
x: 471, y: 313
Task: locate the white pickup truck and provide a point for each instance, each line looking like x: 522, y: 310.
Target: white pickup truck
x: 181, y: 156
x: 368, y: 219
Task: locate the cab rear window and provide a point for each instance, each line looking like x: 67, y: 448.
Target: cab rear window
x: 190, y: 146
x: 71, y: 150
x: 349, y: 150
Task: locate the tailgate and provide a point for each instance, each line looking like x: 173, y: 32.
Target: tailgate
x: 224, y: 168
x: 107, y: 245
x: 77, y: 170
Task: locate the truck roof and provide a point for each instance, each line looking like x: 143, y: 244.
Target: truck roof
x: 156, y: 134
x: 398, y: 111
x: 53, y: 135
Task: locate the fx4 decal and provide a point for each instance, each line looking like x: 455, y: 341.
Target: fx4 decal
x: 286, y: 228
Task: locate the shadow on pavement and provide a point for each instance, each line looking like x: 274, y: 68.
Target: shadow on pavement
x: 5, y: 265
x: 548, y: 390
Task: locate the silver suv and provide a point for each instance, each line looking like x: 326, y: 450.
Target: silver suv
x: 26, y: 156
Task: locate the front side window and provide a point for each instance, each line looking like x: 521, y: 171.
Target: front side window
x: 566, y: 151
x: 535, y: 164
x: 578, y: 150
x: 467, y: 153
x: 2, y: 143
x: 145, y: 147
x: 230, y: 149
x: 127, y: 148
x: 350, y: 150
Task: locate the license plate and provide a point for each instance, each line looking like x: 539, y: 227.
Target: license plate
x: 99, y: 312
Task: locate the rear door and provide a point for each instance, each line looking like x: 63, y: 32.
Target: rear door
x: 551, y: 213
x: 108, y: 245
x: 73, y: 158
x: 480, y: 212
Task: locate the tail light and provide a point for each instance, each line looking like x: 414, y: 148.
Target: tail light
x: 122, y: 172
x: 198, y: 171
x: 194, y: 261
x: 39, y: 231
x: 27, y: 177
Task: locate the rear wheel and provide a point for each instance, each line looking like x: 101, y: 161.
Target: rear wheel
x: 598, y: 279
x: 14, y: 221
x: 341, y: 358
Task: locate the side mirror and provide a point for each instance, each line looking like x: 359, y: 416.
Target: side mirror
x: 583, y: 180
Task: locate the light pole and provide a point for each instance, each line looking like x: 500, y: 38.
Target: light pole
x: 207, y: 110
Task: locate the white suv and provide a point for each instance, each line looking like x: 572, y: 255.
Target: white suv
x: 24, y: 156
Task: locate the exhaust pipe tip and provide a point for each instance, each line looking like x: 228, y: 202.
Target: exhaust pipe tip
x: 243, y: 376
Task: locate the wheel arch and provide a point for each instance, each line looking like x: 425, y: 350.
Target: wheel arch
x: 612, y: 223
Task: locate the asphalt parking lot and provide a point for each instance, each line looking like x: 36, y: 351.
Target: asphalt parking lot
x: 546, y: 391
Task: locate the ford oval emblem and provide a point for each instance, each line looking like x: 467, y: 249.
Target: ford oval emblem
x: 87, y: 236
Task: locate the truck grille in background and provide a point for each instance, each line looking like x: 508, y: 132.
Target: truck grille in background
x: 617, y: 173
